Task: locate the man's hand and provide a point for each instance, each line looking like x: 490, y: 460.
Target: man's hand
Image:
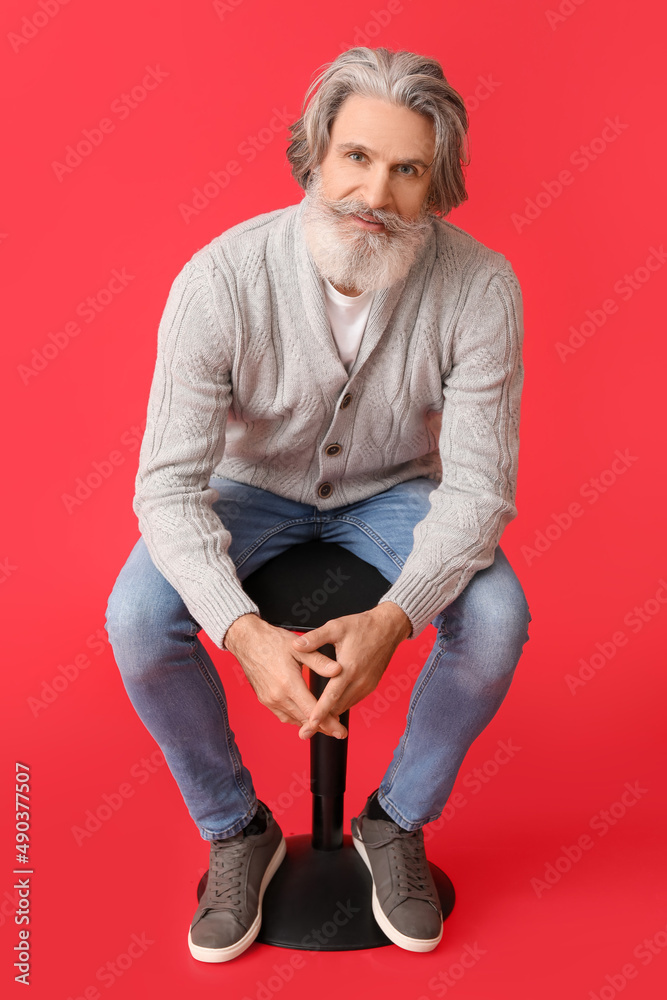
x: 365, y: 643
x: 273, y: 666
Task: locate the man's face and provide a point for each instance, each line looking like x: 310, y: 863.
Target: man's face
x: 365, y: 218
x: 378, y: 159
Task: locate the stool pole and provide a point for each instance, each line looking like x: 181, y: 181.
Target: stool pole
x: 328, y: 766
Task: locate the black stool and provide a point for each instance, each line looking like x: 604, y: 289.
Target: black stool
x: 320, y: 897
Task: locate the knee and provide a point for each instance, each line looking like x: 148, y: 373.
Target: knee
x: 123, y: 616
x: 146, y: 619
x: 512, y: 617
x: 507, y: 632
x: 495, y: 632
x: 139, y: 620
x: 138, y: 635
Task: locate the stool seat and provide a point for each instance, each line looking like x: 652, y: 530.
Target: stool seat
x: 320, y: 897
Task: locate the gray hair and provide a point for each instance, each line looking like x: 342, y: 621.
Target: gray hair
x: 404, y: 79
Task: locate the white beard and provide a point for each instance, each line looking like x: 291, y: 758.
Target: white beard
x: 354, y: 257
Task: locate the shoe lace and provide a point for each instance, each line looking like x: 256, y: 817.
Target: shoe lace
x: 410, y: 865
x: 225, y: 874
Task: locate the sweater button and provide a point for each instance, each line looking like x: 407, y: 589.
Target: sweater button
x: 345, y: 401
x: 333, y: 449
x: 325, y: 490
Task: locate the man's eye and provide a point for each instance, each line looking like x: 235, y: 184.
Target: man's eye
x: 406, y: 169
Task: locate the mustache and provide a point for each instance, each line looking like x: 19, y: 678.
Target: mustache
x: 393, y: 222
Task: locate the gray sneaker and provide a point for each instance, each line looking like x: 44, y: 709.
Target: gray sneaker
x: 406, y: 904
x: 229, y: 914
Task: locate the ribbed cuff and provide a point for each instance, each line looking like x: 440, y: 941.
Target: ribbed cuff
x: 419, y: 601
x: 220, y: 606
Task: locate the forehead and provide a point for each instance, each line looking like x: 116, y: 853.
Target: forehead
x: 383, y: 127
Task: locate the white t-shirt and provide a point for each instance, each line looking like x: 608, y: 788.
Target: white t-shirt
x: 348, y: 315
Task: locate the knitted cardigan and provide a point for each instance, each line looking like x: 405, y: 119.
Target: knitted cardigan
x: 248, y: 385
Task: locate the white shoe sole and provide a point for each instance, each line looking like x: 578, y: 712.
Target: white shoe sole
x: 402, y: 940
x: 233, y: 950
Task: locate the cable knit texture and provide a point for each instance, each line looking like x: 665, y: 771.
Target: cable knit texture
x: 248, y: 385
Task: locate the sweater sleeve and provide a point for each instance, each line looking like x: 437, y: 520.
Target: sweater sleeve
x: 183, y: 442
x: 479, y: 446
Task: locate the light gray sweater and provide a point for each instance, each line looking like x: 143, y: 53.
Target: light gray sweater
x: 248, y: 385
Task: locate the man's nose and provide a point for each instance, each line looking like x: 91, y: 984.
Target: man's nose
x: 376, y: 190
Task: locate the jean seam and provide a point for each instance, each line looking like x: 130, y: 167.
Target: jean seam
x: 373, y: 535
x: 240, y: 784
x: 446, y: 634
x: 269, y: 533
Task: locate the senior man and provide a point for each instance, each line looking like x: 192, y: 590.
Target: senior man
x: 347, y: 368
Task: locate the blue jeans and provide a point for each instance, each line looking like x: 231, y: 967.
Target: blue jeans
x: 177, y: 693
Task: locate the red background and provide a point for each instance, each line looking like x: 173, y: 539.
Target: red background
x: 539, y: 87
